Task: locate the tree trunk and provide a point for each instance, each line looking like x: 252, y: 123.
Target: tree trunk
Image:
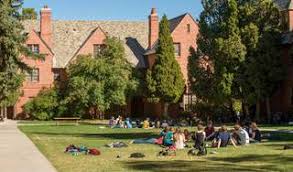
x: 166, y: 107
x: 5, y: 112
x: 257, y: 112
x: 1, y: 114
x: 268, y: 110
x: 246, y: 111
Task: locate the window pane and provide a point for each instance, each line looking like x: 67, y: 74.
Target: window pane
x: 98, y: 48
x: 177, y: 49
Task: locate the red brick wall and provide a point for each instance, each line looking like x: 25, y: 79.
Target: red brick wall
x: 186, y: 40
x: 30, y: 90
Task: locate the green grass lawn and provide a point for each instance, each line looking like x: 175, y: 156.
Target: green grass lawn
x: 52, y: 140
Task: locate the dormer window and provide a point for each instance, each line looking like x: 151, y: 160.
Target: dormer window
x: 98, y: 48
x: 34, y: 48
x: 188, y: 28
x: 177, y: 47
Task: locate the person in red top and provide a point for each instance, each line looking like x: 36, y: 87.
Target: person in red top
x: 210, y: 131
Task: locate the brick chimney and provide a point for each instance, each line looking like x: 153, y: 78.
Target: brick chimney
x: 153, y: 27
x: 46, y: 25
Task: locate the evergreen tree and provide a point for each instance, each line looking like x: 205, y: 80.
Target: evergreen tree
x: 165, y: 81
x: 11, y: 46
x: 242, y: 39
x: 29, y: 14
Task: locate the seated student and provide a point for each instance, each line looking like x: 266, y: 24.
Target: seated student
x: 112, y: 122
x: 223, y: 138
x: 255, y: 133
x: 199, y: 139
x: 128, y: 123
x: 168, y: 138
x: 187, y: 135
x: 240, y: 136
x: 179, y: 138
x: 164, y: 124
x: 146, y: 124
x: 210, y: 131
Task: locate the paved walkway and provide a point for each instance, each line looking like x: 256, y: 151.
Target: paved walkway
x: 18, y: 153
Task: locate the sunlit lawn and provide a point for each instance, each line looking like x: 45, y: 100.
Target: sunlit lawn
x: 52, y: 140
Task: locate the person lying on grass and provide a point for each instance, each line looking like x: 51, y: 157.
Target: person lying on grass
x: 158, y: 140
x: 223, y: 138
x: 240, y: 136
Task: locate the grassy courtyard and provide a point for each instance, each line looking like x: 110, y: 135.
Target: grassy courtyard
x: 52, y: 140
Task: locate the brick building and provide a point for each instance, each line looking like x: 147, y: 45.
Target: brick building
x: 62, y: 41
x: 282, y: 100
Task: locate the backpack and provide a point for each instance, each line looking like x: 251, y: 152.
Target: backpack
x: 94, y: 152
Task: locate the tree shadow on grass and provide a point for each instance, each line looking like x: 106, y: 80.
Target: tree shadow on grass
x: 114, y: 136
x: 187, y: 166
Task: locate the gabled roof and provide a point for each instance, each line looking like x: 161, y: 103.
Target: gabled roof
x: 174, y: 22
x: 41, y: 39
x: 69, y: 36
x: 84, y: 42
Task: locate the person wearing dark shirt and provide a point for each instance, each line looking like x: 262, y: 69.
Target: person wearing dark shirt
x: 223, y: 138
x: 199, y: 139
x: 210, y: 131
x: 255, y: 133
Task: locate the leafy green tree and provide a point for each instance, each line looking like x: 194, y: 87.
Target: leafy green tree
x: 11, y: 47
x: 165, y: 81
x: 44, y: 106
x: 101, y: 82
x: 242, y: 39
x: 29, y: 14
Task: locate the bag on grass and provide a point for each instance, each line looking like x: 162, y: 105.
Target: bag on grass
x: 94, y: 152
x: 288, y: 147
x: 137, y: 155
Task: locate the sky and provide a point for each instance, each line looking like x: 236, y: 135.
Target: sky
x: 115, y: 9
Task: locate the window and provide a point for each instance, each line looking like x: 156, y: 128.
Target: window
x: 177, y: 48
x: 34, y: 48
x: 98, y: 48
x: 188, y: 28
x: 33, y: 75
x: 56, y: 76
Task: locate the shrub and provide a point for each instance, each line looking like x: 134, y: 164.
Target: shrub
x: 44, y: 106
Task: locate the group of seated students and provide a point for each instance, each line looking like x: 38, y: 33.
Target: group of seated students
x: 238, y: 136
x: 177, y: 139
x: 127, y: 123
x: 168, y: 137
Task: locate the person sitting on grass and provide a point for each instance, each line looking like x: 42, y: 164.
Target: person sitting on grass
x: 223, y: 138
x: 112, y: 122
x: 199, y: 139
x: 146, y: 124
x: 240, y: 136
x: 179, y: 138
x: 210, y: 131
x: 158, y: 141
x: 255, y: 133
x: 128, y: 123
x: 187, y: 135
x: 168, y: 138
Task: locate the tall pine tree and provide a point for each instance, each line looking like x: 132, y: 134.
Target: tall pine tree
x: 12, y: 40
x: 165, y: 81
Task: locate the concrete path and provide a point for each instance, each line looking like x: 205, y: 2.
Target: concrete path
x: 18, y: 153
